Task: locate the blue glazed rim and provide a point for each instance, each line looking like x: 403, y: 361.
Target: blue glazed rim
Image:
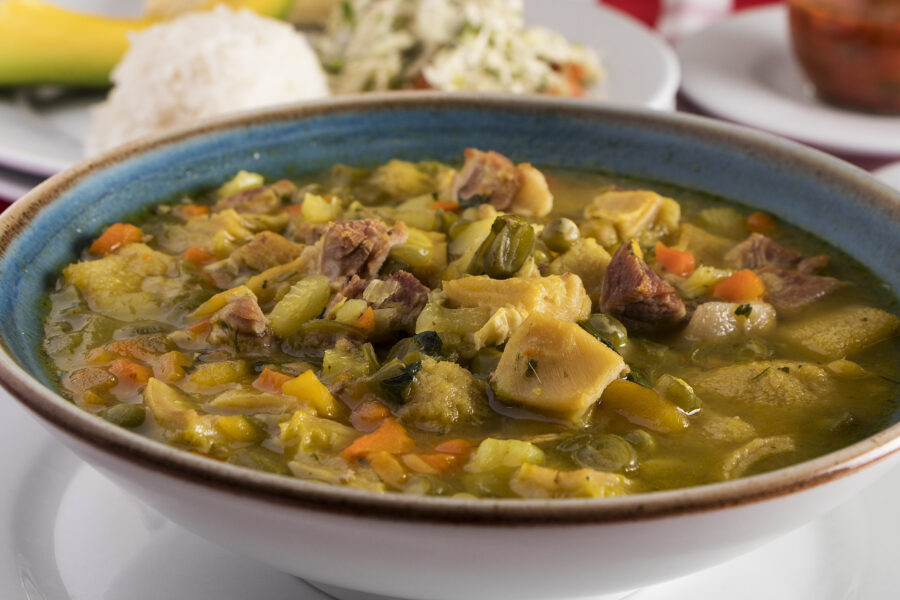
x: 43, y: 231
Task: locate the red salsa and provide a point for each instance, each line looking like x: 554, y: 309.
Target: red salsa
x: 850, y: 49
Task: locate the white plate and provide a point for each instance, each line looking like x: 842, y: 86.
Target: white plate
x: 68, y: 533
x: 46, y: 137
x: 742, y: 69
x: 889, y: 174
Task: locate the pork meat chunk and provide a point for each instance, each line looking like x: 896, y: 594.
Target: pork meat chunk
x: 638, y: 296
x: 357, y: 248
x: 759, y: 251
x: 790, y: 290
x: 486, y: 177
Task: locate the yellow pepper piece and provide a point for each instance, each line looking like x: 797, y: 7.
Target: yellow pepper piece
x: 307, y: 388
x: 238, y: 428
x: 217, y: 302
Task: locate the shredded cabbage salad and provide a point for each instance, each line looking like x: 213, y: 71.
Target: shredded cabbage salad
x: 474, y: 45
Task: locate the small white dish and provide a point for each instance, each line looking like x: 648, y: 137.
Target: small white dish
x: 46, y: 136
x: 889, y: 174
x: 71, y: 533
x: 743, y: 69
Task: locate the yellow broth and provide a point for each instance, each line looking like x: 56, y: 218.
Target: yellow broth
x: 321, y: 399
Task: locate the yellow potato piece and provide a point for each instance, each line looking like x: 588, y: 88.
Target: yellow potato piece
x: 842, y: 332
x: 631, y: 211
x: 555, y: 367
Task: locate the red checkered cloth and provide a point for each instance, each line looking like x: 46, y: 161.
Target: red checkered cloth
x: 677, y: 18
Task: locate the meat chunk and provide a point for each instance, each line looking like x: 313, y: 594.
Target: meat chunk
x: 638, y: 296
x: 261, y: 200
x: 242, y: 314
x: 266, y: 250
x: 790, y: 290
x: 400, y: 292
x: 486, y: 177
x: 759, y: 251
x: 357, y: 247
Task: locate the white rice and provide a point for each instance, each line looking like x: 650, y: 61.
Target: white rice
x: 201, y: 65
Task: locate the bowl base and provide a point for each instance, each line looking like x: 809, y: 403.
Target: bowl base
x: 339, y: 593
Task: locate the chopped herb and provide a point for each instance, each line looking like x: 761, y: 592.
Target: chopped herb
x: 760, y: 374
x: 637, y: 377
x: 531, y: 369
x: 784, y: 369
x: 743, y: 310
x: 888, y: 379
x: 347, y: 13
x: 474, y: 200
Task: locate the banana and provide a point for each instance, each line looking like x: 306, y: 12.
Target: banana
x: 43, y: 43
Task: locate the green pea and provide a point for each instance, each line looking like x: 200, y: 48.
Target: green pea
x: 126, y: 415
x: 505, y: 250
x: 679, y: 392
x: 642, y: 440
x: 603, y: 452
x: 559, y: 234
x: 607, y: 329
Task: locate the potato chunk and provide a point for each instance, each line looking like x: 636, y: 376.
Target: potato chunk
x: 534, y: 198
x: 631, y: 211
x: 555, y: 367
x: 559, y: 296
x: 534, y: 481
x: 775, y: 383
x: 729, y: 321
x: 842, y: 332
x: 114, y: 284
x: 587, y: 259
x: 443, y: 395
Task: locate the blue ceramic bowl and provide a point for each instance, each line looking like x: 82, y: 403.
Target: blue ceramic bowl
x: 279, y: 520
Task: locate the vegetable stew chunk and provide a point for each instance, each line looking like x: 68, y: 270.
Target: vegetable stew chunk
x: 357, y: 248
x: 842, y: 332
x: 773, y: 384
x: 729, y: 321
x: 442, y: 396
x: 486, y: 177
x: 759, y: 251
x: 638, y: 296
x: 555, y: 367
x: 789, y: 291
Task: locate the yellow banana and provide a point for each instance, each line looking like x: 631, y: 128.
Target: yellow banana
x: 43, y: 43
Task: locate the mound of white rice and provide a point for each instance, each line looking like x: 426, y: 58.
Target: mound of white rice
x: 202, y: 65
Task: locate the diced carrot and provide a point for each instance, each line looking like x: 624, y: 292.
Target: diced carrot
x: 417, y: 463
x: 388, y: 468
x: 366, y: 321
x: 186, y: 211
x: 271, y: 381
x: 445, y: 205
x: 130, y: 373
x: 440, y: 461
x: 743, y: 286
x: 170, y: 366
x: 760, y: 222
x: 574, y: 75
x: 294, y: 210
x: 116, y: 236
x: 458, y: 446
x: 198, y: 256
x: 675, y: 261
x: 391, y: 437
x: 199, y: 328
x: 369, y: 414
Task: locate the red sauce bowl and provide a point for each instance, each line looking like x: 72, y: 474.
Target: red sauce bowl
x: 850, y: 50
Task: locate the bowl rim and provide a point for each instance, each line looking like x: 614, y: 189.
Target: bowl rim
x: 63, y: 416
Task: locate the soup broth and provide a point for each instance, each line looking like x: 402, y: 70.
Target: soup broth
x: 489, y: 330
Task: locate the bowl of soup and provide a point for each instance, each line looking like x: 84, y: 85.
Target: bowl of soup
x: 407, y: 345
